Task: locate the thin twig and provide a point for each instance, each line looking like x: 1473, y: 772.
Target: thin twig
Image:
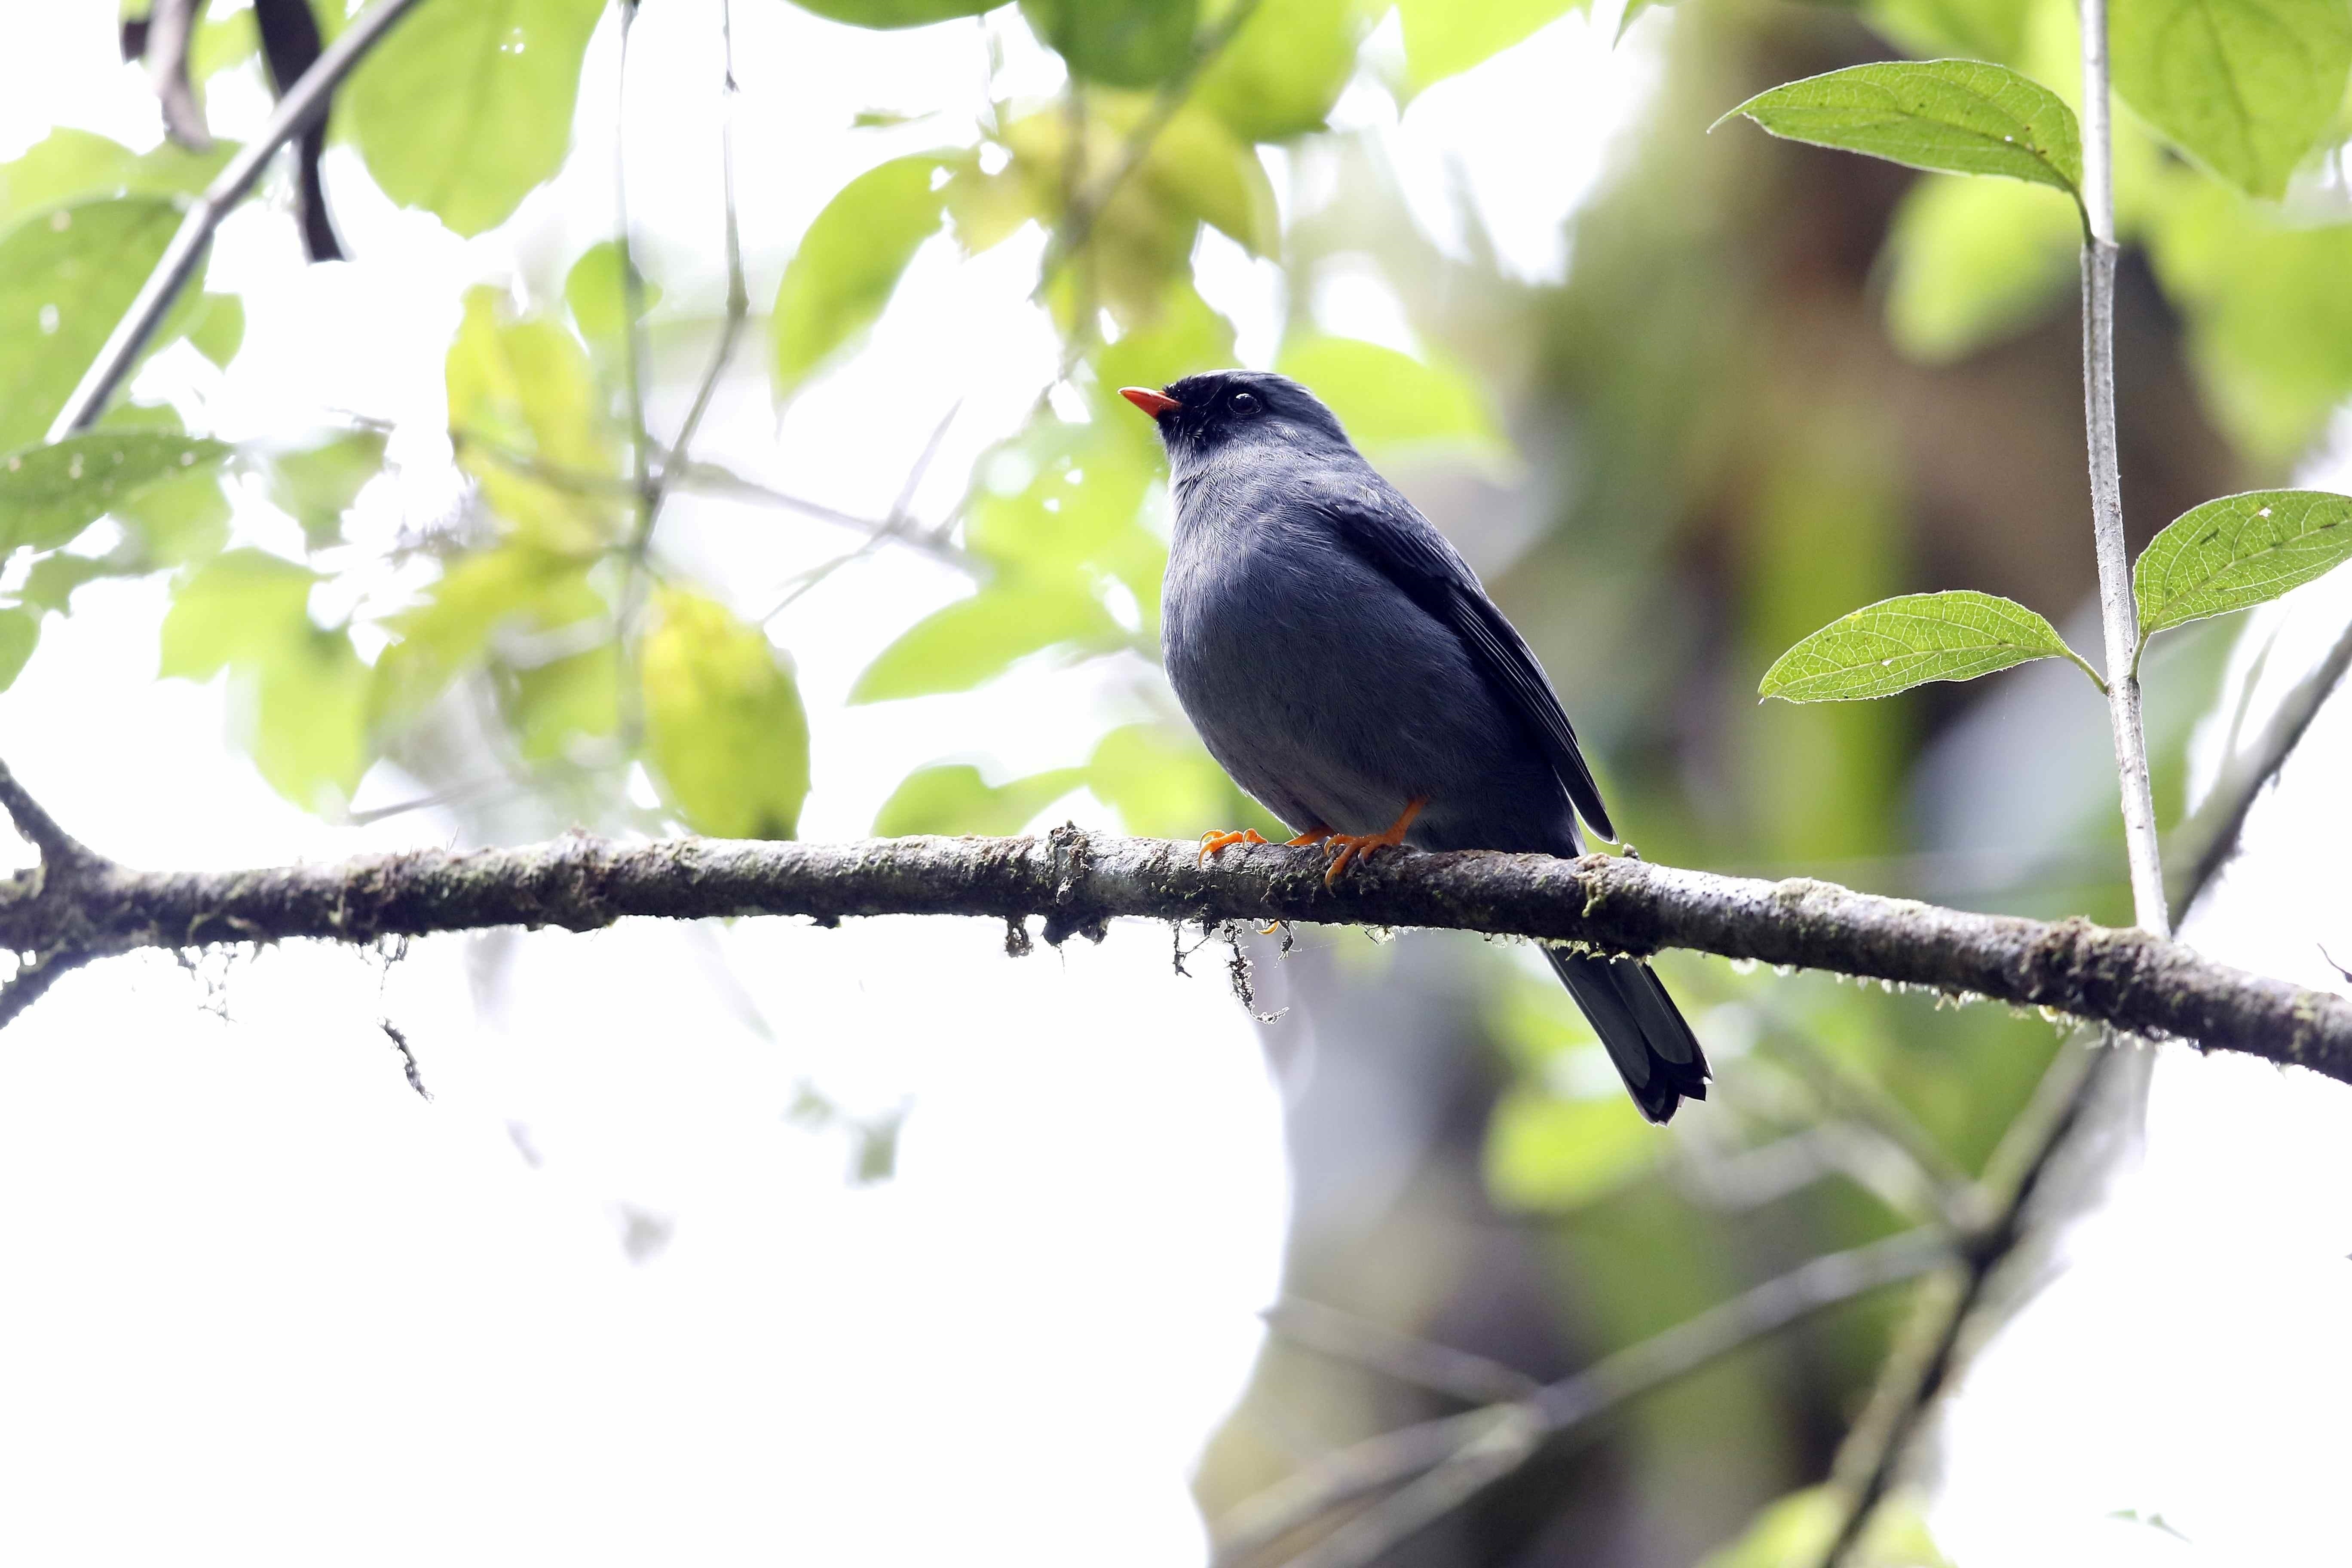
x: 895, y: 526
x: 1558, y: 1408
x: 305, y: 101
x: 739, y: 294
x: 2213, y: 831
x: 1346, y: 1337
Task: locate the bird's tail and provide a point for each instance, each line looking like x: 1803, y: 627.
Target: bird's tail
x: 1655, y: 1051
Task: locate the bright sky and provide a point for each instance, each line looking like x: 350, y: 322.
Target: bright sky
x: 262, y: 1294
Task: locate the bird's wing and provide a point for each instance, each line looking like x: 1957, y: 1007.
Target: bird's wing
x: 1386, y: 531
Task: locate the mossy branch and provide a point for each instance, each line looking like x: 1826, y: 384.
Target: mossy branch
x: 77, y: 906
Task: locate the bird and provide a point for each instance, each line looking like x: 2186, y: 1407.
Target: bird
x: 1341, y: 661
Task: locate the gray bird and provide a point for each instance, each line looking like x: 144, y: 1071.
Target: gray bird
x: 1342, y: 663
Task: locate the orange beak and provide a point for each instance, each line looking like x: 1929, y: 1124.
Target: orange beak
x: 1152, y: 402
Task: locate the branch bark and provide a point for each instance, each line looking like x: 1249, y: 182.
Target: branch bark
x: 74, y: 911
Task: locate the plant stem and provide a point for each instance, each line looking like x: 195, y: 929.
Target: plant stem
x: 303, y: 102
x: 2118, y: 611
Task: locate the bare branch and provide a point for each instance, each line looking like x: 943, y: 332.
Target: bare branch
x: 304, y: 103
x: 1346, y: 1337
x: 38, y: 828
x: 1474, y: 1446
x: 2214, y: 830
x: 2130, y: 980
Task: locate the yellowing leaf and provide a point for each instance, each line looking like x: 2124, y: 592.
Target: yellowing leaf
x: 1961, y: 117
x: 1906, y: 641
x: 2244, y: 86
x: 448, y: 631
x: 850, y: 260
x: 466, y: 104
x: 724, y: 727
x: 2239, y: 550
x: 50, y: 494
x: 522, y: 410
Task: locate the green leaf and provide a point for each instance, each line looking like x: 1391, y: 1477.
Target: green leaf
x: 300, y: 692
x: 66, y: 278
x: 448, y: 630
x: 2238, y: 550
x: 1980, y: 29
x: 896, y: 13
x: 50, y: 584
x: 974, y: 640
x: 556, y: 705
x: 1975, y: 261
x: 1444, y: 36
x: 849, y: 261
x: 953, y: 799
x: 50, y: 494
x: 1801, y: 1528
x: 70, y: 165
x: 467, y: 105
x: 1118, y: 43
x: 1544, y: 1152
x: 1392, y: 402
x: 1959, y: 117
x: 20, y: 629
x: 598, y: 297
x: 315, y: 485
x: 235, y: 610
x: 1909, y: 640
x: 2269, y: 317
x: 2244, y: 86
x: 307, y: 727
x: 1198, y: 166
x: 217, y: 327
x: 1185, y: 336
x: 1164, y: 785
x: 1080, y: 491
x: 1280, y: 74
x: 724, y: 727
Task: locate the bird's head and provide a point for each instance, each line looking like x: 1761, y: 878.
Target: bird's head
x: 1199, y: 414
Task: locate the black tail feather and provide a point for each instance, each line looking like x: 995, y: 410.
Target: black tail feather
x: 1653, y: 1048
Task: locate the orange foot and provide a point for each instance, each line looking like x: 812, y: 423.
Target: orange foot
x: 1212, y: 840
x: 1354, y: 847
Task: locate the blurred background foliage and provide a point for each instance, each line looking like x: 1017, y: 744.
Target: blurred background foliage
x: 1775, y: 383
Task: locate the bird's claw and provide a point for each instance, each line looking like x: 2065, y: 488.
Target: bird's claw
x: 1215, y: 840
x: 1345, y: 849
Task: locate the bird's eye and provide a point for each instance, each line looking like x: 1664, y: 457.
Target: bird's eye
x: 1244, y: 403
